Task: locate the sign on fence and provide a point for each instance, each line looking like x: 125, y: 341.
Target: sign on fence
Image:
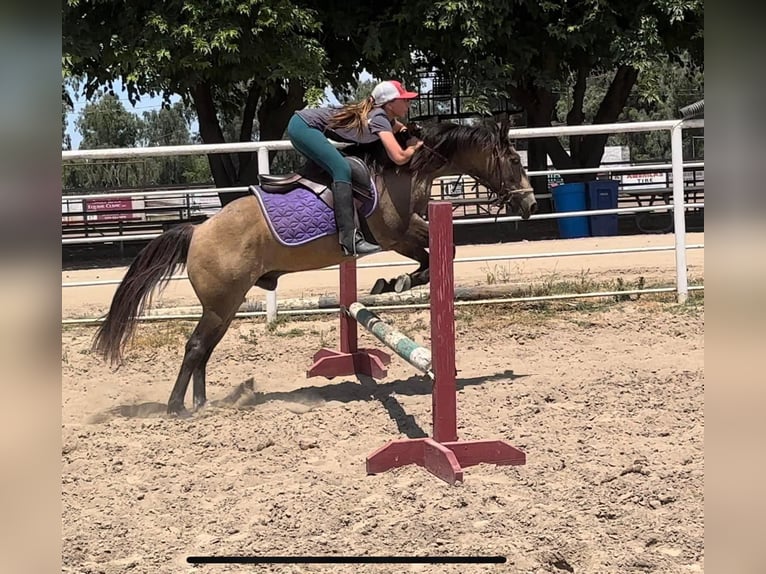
x: 110, y: 209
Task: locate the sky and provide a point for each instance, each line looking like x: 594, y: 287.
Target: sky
x: 146, y: 104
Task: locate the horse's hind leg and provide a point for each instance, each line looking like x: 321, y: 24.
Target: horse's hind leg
x: 198, y: 375
x: 205, y: 337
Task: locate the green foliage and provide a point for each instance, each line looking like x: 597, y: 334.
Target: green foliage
x: 233, y: 61
x: 108, y: 124
x: 105, y: 123
x: 167, y: 126
x: 358, y: 92
x: 171, y: 47
x: 525, y: 49
x: 661, y: 90
x: 246, y: 65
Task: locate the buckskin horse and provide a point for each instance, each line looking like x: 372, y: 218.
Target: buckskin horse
x: 286, y: 224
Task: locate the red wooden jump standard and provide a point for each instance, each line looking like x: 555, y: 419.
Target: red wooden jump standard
x: 443, y: 454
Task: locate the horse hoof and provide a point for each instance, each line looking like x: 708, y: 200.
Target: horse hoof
x: 381, y: 286
x: 403, y: 283
x: 177, y: 411
x: 377, y: 289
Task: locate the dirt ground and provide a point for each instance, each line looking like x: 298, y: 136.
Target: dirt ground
x: 605, y: 398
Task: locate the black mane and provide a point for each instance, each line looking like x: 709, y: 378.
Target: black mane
x: 444, y: 140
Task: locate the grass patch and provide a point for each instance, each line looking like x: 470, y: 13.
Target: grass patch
x: 497, y: 274
x: 161, y: 335
x: 249, y: 337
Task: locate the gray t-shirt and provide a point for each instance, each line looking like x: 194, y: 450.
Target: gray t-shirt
x: 377, y: 121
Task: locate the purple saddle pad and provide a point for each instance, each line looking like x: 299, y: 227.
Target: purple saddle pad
x: 300, y: 216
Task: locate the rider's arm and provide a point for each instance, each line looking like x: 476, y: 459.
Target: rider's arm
x: 398, y: 155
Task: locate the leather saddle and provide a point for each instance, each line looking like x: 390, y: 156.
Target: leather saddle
x: 319, y: 181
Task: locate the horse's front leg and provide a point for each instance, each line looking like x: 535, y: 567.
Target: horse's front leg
x: 411, y: 245
x: 409, y: 280
x: 420, y: 276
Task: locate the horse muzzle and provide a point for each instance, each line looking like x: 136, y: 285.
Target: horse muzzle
x: 523, y: 202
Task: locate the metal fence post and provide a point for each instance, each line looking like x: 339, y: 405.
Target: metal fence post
x: 679, y: 211
x: 271, y: 296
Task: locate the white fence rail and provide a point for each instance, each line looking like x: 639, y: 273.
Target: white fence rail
x: 674, y: 127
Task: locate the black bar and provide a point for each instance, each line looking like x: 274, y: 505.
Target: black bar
x: 346, y: 559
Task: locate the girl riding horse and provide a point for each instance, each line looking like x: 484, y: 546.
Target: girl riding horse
x: 372, y: 120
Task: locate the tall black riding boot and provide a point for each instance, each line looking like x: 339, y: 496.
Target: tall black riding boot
x: 351, y: 239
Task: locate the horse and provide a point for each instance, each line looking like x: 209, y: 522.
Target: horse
x: 257, y: 238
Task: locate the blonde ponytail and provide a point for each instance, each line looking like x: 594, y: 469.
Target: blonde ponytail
x: 353, y: 115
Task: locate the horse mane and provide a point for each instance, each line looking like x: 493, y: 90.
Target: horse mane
x: 446, y: 139
x: 442, y: 141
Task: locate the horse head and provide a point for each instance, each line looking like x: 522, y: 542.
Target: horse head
x: 484, y: 152
x: 512, y: 186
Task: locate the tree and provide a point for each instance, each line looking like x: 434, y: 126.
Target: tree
x: 661, y: 90
x: 246, y: 63
x: 66, y: 109
x: 360, y: 91
x: 528, y: 49
x: 68, y: 84
x: 171, y: 125
x: 105, y: 123
x: 246, y: 58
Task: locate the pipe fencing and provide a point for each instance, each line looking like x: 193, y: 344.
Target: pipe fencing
x: 678, y: 205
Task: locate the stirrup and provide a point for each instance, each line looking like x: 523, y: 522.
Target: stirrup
x: 358, y: 239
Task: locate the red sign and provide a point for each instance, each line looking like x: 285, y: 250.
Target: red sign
x: 110, y: 209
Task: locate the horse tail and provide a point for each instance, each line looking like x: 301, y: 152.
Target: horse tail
x: 153, y: 266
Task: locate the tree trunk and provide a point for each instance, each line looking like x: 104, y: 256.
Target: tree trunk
x: 276, y: 108
x: 576, y: 115
x: 221, y: 165
x: 587, y: 151
x: 592, y: 147
x: 246, y: 130
x: 541, y: 103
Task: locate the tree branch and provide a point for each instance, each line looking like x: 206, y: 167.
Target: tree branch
x: 576, y: 115
x: 592, y: 147
x: 276, y: 109
x: 248, y: 119
x: 221, y: 166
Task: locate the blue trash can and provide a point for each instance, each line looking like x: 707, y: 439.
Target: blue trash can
x: 571, y: 197
x: 602, y: 194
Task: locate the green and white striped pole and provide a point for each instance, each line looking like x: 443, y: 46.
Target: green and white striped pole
x: 416, y: 355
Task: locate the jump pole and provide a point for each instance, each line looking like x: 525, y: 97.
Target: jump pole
x: 444, y: 455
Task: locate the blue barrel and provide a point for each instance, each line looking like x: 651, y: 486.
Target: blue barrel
x: 571, y: 197
x: 602, y: 194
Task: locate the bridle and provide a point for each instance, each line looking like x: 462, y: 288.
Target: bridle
x: 503, y: 194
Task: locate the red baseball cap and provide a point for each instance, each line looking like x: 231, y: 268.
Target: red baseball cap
x: 389, y: 91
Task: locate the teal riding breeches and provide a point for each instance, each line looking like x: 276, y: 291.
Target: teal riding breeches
x: 314, y: 145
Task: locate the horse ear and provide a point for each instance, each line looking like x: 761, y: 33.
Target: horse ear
x: 504, y: 126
